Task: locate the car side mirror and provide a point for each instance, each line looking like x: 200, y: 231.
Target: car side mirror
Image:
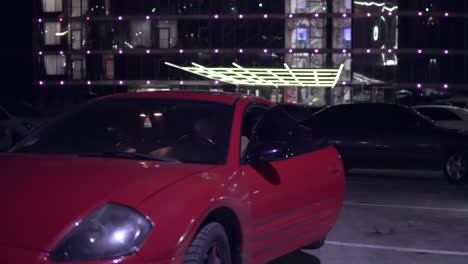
x: 269, y: 151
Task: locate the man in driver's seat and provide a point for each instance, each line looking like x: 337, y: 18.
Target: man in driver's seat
x: 198, y: 144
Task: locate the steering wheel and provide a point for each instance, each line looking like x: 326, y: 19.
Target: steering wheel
x: 194, y: 138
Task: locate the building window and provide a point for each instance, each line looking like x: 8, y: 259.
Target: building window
x: 141, y: 33
x: 51, y: 36
x: 302, y: 34
x: 55, y: 64
x: 302, y: 4
x: 52, y: 5
x: 109, y: 67
x: 164, y: 38
x: 78, y: 66
x: 79, y: 7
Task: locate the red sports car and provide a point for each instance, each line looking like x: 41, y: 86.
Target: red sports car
x: 168, y: 177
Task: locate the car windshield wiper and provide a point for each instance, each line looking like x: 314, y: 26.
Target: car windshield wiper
x: 128, y: 155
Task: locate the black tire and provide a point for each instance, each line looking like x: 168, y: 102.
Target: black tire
x: 317, y: 244
x: 210, y: 246
x: 455, y: 167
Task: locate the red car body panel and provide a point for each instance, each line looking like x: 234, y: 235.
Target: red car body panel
x: 280, y: 207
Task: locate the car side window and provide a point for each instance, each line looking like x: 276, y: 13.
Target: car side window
x: 396, y: 118
x: 251, y: 117
x: 439, y: 114
x: 277, y: 127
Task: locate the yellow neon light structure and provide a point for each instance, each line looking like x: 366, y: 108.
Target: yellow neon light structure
x: 277, y: 77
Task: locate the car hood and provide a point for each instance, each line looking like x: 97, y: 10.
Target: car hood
x: 41, y: 196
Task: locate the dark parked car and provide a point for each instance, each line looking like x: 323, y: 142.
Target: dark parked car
x: 300, y: 112
x: 390, y: 136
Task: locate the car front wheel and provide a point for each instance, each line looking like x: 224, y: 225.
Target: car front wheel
x: 210, y: 246
x: 456, y: 168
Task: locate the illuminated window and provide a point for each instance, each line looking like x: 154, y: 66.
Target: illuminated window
x: 79, y: 7
x: 50, y: 31
x: 141, y: 33
x: 52, y: 5
x: 54, y: 64
x: 302, y: 34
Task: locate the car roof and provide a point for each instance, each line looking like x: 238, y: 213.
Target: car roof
x: 218, y: 97
x: 450, y: 107
x: 367, y: 105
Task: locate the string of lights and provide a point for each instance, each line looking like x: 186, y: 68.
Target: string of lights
x: 257, y: 51
x: 181, y: 83
x: 445, y: 14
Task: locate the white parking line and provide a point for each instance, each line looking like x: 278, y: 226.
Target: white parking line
x: 407, y: 207
x: 413, y: 250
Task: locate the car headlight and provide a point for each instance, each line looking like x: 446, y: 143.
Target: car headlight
x: 109, y: 232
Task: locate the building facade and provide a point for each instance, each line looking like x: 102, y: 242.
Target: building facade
x: 108, y: 46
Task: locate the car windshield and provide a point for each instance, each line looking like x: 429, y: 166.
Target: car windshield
x: 20, y: 109
x: 160, y: 129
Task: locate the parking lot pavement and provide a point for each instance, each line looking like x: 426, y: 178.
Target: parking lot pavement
x: 396, y: 217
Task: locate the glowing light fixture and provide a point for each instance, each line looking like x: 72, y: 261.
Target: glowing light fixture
x: 316, y: 50
x: 61, y: 19
x: 265, y: 16
x: 241, y: 51
x: 40, y: 53
x: 419, y: 85
x: 420, y: 13
x: 216, y: 50
x: 419, y: 51
x: 216, y: 16
x: 277, y: 77
x: 88, y: 82
x: 121, y: 82
x: 445, y: 86
x: 316, y: 15
x: 389, y: 50
x: 291, y: 16
x: 265, y: 51
x: 39, y: 20
x: 368, y: 14
x: 148, y: 82
x: 368, y: 50
x: 181, y: 51
x: 41, y: 82
x: 157, y: 114
x: 61, y: 34
x: 290, y: 50
x: 61, y: 52
x: 446, y: 14
x: 241, y: 16
x: 344, y: 15
x: 446, y: 51
x: 62, y: 82
x: 120, y: 18
x: 120, y: 51
x: 147, y: 17
x: 181, y: 82
x: 148, y: 51
x: 88, y: 52
x: 344, y: 51
x: 88, y: 18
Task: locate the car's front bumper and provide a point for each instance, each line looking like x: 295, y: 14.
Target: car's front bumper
x: 13, y: 255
